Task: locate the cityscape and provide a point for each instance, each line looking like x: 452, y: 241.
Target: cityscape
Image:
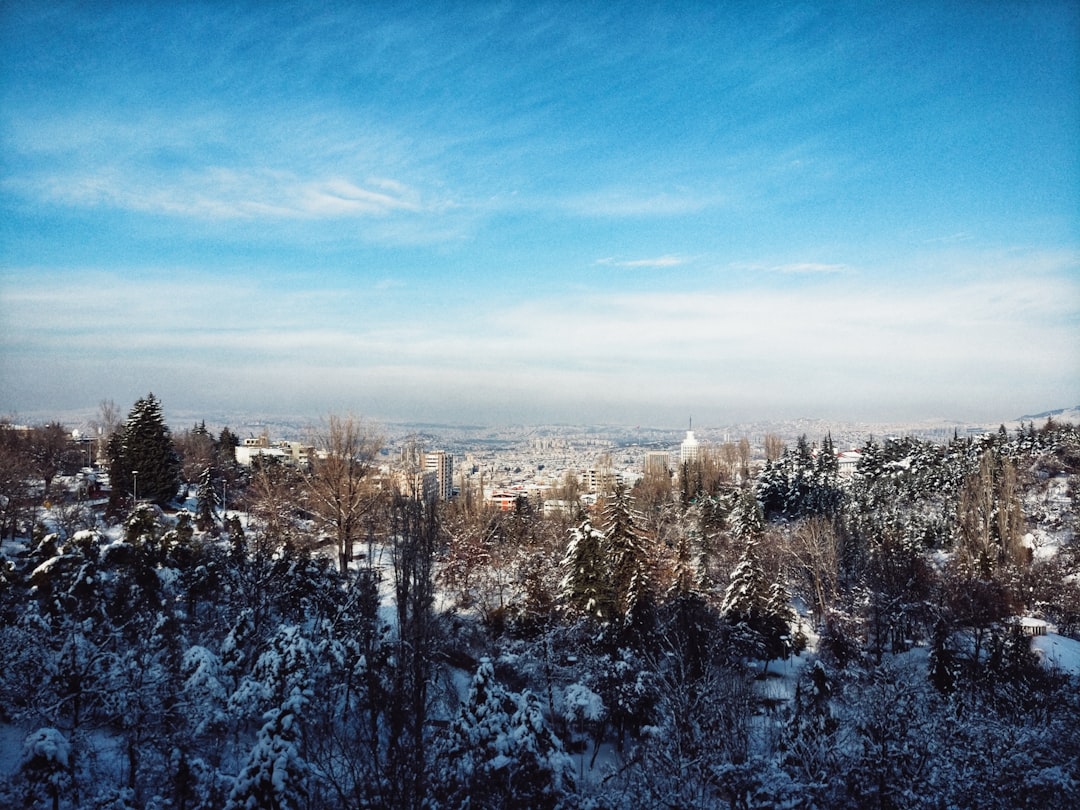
x: 515, y: 405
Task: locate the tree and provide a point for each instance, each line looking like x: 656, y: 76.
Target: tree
x: 493, y: 758
x: 206, y: 501
x: 144, y: 461
x: 275, y: 776
x: 415, y: 532
x: 774, y: 447
x: 628, y: 557
x: 585, y: 585
x: 197, y: 451
x: 763, y: 609
x: 105, y: 424
x: 747, y: 520
x: 51, y: 452
x: 45, y: 765
x: 470, y: 754
x: 14, y: 475
x: 337, y: 488
x: 814, y: 554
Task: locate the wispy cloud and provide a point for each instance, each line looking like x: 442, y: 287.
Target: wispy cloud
x: 795, y: 268
x: 225, y: 193
x: 632, y: 203
x: 950, y: 239
x: 659, y: 262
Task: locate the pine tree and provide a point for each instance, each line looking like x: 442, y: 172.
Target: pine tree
x: 754, y: 605
x: 275, y: 776
x: 586, y: 587
x: 473, y: 752
x: 627, y: 553
x: 206, y: 501
x: 146, y: 463
x: 747, y: 518
x: 541, y: 771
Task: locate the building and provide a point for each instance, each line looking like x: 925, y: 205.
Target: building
x: 293, y: 453
x: 657, y: 463
x: 441, y: 465
x: 600, y: 481
x: 847, y: 462
x: 247, y: 453
x: 690, y: 449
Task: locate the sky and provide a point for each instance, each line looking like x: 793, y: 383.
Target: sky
x: 506, y: 213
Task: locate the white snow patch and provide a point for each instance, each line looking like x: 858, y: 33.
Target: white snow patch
x: 1059, y: 653
x: 47, y: 744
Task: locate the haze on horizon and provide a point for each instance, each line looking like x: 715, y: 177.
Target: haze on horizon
x: 513, y: 213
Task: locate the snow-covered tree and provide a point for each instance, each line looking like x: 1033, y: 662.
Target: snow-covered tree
x: 499, y: 752
x: 763, y: 608
x: 629, y: 561
x: 586, y: 586
x: 142, y: 459
x: 206, y: 500
x: 275, y: 775
x: 472, y: 756
x: 45, y: 767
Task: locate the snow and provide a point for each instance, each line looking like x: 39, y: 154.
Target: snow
x: 1059, y: 653
x: 45, y: 567
x: 582, y: 703
x: 47, y: 744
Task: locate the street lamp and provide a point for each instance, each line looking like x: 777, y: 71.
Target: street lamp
x: 135, y: 487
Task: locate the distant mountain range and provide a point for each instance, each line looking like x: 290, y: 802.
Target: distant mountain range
x: 1061, y: 414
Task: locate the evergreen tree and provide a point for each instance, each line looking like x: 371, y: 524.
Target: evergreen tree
x: 540, y: 771
x: 206, y: 501
x: 145, y: 462
x: 275, y: 776
x: 627, y: 555
x: 762, y: 609
x: 747, y: 518
x: 226, y: 446
x: 474, y: 751
x: 585, y: 586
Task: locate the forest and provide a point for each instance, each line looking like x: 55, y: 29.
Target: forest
x: 201, y: 635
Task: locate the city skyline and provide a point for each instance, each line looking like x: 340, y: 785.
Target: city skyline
x: 514, y: 213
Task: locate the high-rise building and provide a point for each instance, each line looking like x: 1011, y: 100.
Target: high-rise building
x: 657, y: 463
x: 690, y: 449
x: 441, y: 464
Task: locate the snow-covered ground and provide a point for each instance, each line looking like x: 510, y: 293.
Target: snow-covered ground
x: 1059, y: 653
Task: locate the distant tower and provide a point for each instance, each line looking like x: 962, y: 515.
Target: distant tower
x: 690, y: 449
x: 441, y: 465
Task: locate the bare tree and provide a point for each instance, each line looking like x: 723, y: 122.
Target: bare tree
x: 15, y: 473
x: 814, y: 550
x: 196, y: 449
x: 774, y: 447
x: 990, y: 518
x: 106, y: 423
x: 744, y: 459
x: 337, y: 482
x: 51, y: 452
x: 272, y: 499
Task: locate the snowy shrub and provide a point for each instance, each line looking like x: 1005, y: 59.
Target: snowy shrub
x: 45, y: 766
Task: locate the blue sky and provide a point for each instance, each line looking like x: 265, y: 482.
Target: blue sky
x: 573, y: 212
